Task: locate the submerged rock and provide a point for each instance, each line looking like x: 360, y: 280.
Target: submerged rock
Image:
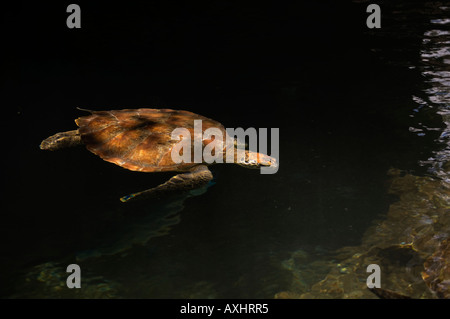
x: 410, y: 245
x: 48, y: 281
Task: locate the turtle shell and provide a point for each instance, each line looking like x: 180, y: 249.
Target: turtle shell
x: 140, y: 139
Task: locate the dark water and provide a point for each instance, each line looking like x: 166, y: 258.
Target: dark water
x: 350, y: 103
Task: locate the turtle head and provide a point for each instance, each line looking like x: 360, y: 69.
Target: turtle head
x: 61, y: 140
x: 251, y: 159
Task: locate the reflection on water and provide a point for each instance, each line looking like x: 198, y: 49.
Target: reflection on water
x: 435, y: 56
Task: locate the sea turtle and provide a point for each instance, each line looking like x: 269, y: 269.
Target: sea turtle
x: 140, y: 140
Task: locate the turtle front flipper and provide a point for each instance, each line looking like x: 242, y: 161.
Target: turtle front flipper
x: 61, y: 140
x: 198, y: 176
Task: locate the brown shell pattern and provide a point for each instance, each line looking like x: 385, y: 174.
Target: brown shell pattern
x: 139, y: 139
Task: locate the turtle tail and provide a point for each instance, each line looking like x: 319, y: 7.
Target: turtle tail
x: 86, y: 110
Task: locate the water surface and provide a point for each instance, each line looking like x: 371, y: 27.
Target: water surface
x: 351, y: 103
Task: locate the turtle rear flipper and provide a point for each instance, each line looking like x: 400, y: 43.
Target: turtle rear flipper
x: 61, y: 140
x: 198, y: 176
